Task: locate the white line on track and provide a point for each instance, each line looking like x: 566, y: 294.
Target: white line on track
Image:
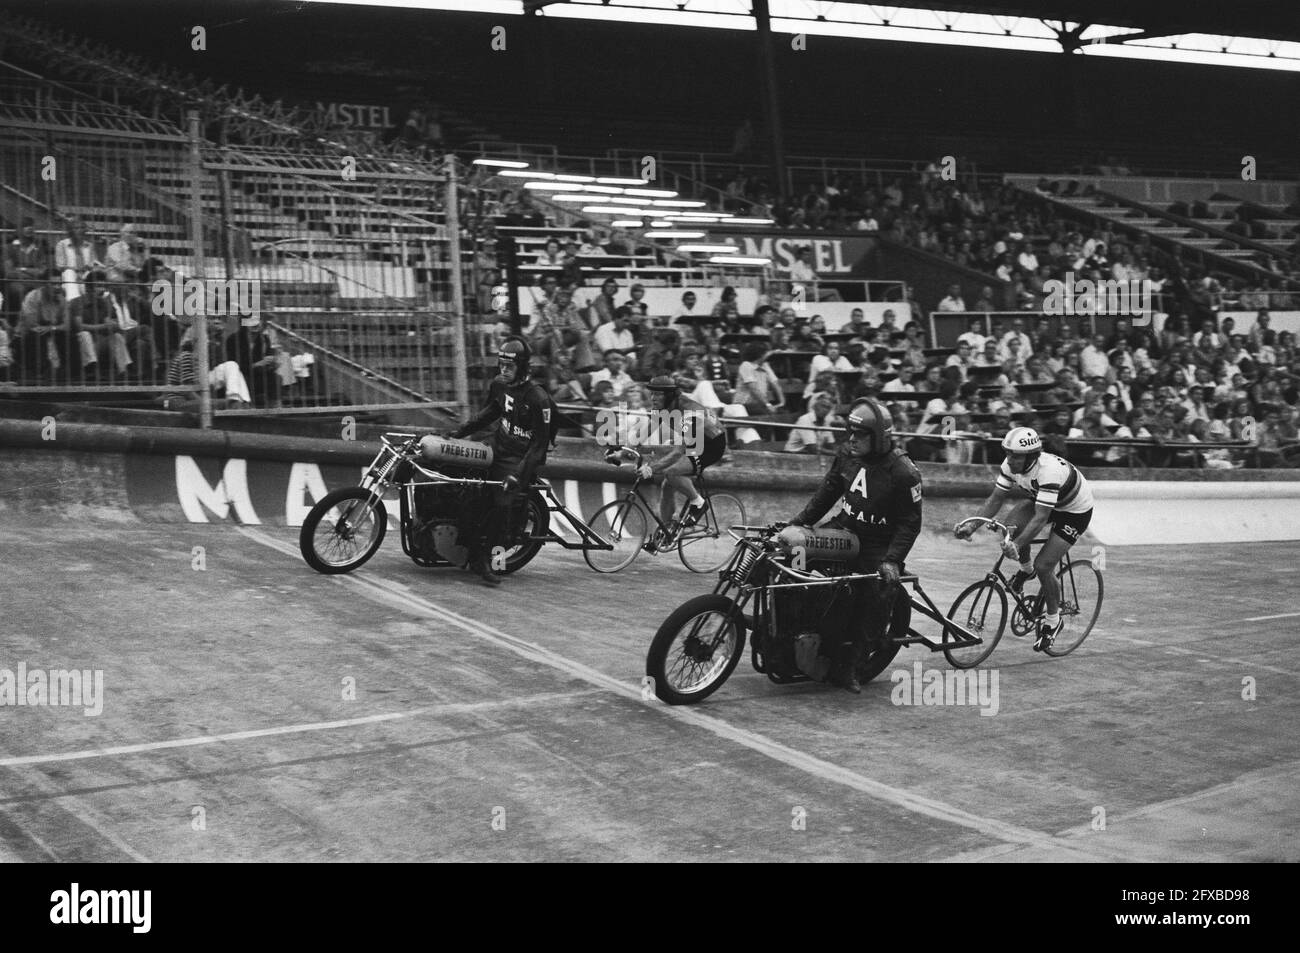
x: 458, y: 708
x: 1265, y: 618
x: 784, y: 754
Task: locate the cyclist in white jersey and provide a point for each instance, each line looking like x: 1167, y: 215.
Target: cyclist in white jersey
x: 1048, y: 491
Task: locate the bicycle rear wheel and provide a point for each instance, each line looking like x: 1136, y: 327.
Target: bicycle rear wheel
x: 622, y: 525
x: 1081, y: 593
x: 982, y: 610
x: 707, y: 546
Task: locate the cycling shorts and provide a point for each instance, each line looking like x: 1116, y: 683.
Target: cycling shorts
x: 1070, y: 526
x: 714, y: 448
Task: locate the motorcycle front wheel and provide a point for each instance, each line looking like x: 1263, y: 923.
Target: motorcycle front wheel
x: 343, y: 530
x: 696, y: 649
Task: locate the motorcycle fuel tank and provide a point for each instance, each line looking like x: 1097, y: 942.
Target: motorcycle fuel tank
x: 821, y: 543
x: 453, y: 452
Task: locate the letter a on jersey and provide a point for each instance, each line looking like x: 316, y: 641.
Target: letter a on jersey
x: 860, y: 483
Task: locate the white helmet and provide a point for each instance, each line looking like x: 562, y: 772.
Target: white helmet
x: 1022, y: 440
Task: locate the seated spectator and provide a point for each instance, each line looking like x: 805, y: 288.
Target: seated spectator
x: 727, y: 312
x: 42, y: 334
x: 953, y: 300
x: 1093, y: 360
x: 125, y: 258
x: 74, y: 257
x: 570, y: 267
x: 1009, y: 400
x: 802, y: 337
x: 225, y: 379
x: 974, y: 336
x: 819, y: 415
x: 551, y: 253
x: 255, y: 348
x: 988, y: 356
x: 613, y: 373
x: 559, y: 326
x: 857, y: 323
x: 562, y: 382
x: 757, y: 386
x: 636, y: 301
x: 961, y: 361
x: 615, y: 335
x: 902, y: 384
x: 602, y: 307
x: 27, y: 261
x: 803, y: 274
x: 829, y: 360
x: 687, y: 314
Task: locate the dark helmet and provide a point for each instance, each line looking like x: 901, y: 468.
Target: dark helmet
x: 513, y: 359
x: 867, y: 416
x: 665, y: 385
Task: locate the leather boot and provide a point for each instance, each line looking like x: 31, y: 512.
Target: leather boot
x: 846, y: 668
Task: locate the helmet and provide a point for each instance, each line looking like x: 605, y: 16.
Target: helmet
x: 513, y: 358
x: 867, y: 416
x: 665, y: 385
x: 1023, y: 440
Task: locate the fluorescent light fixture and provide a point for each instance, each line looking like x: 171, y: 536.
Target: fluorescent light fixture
x: 615, y: 180
x: 715, y: 249
x: 626, y: 223
x: 612, y: 210
x: 605, y: 189
x: 582, y: 197
x: 553, y: 186
x: 530, y: 174
x: 652, y: 193
x: 673, y: 233
x: 575, y: 178
x: 501, y: 163
x: 679, y: 203
x: 661, y: 223
x: 751, y: 221
x: 739, y: 260
x: 619, y: 200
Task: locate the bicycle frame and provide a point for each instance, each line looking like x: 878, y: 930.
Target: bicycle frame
x: 1028, y: 606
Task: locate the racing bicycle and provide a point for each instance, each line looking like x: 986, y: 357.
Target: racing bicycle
x: 982, y: 606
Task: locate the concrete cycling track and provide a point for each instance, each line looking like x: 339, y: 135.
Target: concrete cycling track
x: 225, y: 734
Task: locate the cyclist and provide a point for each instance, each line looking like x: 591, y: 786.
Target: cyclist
x: 700, y: 441
x: 881, y: 490
x: 518, y: 447
x: 1052, y: 491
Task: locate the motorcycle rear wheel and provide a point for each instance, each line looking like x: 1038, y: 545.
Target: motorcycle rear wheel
x: 351, y: 534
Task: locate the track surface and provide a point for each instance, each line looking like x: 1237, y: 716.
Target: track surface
x: 224, y: 710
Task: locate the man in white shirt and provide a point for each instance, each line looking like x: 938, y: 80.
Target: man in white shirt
x: 1027, y: 260
x: 125, y: 257
x: 613, y: 372
x: 803, y: 273
x: 961, y: 360
x: 1093, y: 361
x: 815, y: 441
x: 902, y: 384
x: 615, y: 336
x: 1017, y: 332
x: 831, y: 360
x: 975, y: 336
x: 953, y: 302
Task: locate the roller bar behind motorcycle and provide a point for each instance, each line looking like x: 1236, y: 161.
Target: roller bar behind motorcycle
x: 775, y: 588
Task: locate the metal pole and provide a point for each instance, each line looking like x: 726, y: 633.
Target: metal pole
x: 460, y: 370
x: 201, y: 359
x: 771, y: 94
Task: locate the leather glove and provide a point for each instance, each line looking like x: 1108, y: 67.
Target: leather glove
x: 964, y: 532
x: 644, y: 471
x: 888, y: 574
x: 511, y: 483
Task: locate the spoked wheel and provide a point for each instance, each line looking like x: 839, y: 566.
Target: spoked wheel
x: 707, y: 545
x: 981, y: 609
x: 696, y: 649
x: 537, y: 518
x: 1021, y: 624
x: 621, y: 524
x: 876, y: 661
x: 1081, y: 593
x: 343, y: 530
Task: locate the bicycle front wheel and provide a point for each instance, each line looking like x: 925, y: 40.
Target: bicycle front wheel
x: 982, y: 610
x: 621, y: 526
x: 1081, y: 593
x: 707, y: 545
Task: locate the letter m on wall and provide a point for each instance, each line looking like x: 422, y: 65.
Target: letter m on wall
x: 198, y: 498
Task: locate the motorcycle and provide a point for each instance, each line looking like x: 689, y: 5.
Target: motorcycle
x: 442, y: 503
x: 786, y: 577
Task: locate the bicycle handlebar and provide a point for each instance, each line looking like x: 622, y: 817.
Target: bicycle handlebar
x: 1006, y: 531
